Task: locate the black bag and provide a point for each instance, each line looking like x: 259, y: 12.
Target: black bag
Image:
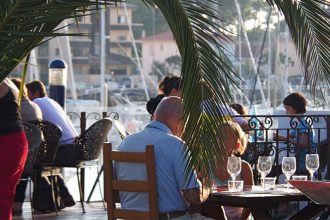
x: 42, y: 196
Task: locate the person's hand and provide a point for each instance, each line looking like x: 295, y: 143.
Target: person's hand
x: 280, y: 137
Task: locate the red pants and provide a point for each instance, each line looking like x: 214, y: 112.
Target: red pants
x: 13, y: 152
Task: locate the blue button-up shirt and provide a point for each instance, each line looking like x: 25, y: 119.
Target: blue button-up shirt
x: 170, y: 169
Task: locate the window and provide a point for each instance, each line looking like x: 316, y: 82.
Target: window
x: 57, y: 51
x: 122, y: 19
x: 122, y: 38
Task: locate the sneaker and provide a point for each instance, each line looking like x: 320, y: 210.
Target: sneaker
x: 68, y: 201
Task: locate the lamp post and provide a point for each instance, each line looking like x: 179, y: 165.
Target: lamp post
x: 57, y: 81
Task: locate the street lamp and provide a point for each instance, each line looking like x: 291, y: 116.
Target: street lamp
x: 57, y: 81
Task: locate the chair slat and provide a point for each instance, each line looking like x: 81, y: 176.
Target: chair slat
x: 112, y: 186
x: 130, y: 185
x: 132, y: 157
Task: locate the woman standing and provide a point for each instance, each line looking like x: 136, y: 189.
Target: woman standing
x: 13, y: 147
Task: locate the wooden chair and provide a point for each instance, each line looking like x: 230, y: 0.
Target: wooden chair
x: 112, y: 186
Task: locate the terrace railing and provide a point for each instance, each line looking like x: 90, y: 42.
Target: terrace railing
x: 264, y: 132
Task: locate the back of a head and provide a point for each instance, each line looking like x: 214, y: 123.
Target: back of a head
x: 296, y: 100
x: 169, y: 83
x: 37, y: 86
x: 240, y: 109
x: 231, y: 129
x: 153, y: 103
x: 169, y: 109
x: 17, y: 82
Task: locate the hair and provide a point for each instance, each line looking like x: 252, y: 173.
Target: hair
x: 297, y: 101
x: 168, y: 83
x: 17, y: 82
x: 232, y: 128
x: 153, y: 103
x: 37, y: 86
x: 240, y: 109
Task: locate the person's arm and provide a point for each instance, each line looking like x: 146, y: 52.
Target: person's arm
x: 303, y: 140
x: 197, y: 195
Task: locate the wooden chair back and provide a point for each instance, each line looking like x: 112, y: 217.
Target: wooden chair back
x: 113, y: 186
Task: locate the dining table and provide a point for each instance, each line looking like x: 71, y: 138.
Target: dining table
x: 260, y: 202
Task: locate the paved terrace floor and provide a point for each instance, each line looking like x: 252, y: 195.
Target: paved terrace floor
x: 94, y: 211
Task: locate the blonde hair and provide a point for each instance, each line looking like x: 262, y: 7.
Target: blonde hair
x: 232, y: 128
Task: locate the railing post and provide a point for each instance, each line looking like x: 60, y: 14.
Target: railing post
x: 83, y: 122
x: 328, y: 136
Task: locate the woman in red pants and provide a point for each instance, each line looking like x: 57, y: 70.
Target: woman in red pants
x: 13, y: 147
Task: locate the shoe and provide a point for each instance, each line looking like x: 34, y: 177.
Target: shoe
x: 16, y: 212
x: 68, y: 201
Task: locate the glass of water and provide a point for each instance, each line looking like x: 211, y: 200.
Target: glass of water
x: 288, y: 167
x: 312, y: 163
x: 234, y: 166
x: 264, y: 166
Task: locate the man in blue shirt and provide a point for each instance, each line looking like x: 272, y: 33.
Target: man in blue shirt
x: 174, y: 192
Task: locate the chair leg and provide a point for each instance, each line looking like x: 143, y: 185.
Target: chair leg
x: 99, y: 172
x: 80, y: 192
x: 30, y: 193
x: 98, y: 180
x: 53, y: 191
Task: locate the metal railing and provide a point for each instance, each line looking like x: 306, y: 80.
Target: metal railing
x: 264, y: 132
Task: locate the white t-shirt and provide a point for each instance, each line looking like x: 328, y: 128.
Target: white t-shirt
x: 53, y: 112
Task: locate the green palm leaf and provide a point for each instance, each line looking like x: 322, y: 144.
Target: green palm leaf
x: 309, y: 22
x: 206, y: 72
x: 24, y: 24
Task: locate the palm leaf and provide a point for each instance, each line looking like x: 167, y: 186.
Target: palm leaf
x: 24, y: 24
x: 206, y: 72
x: 309, y: 21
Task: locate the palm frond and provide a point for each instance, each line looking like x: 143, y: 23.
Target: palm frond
x: 24, y: 24
x: 308, y: 21
x: 206, y: 72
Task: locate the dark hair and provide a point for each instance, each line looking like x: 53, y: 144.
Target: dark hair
x: 297, y: 101
x: 37, y: 86
x: 17, y: 82
x: 169, y: 83
x: 153, y: 103
x: 240, y: 109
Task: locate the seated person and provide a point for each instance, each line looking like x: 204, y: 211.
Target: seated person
x: 174, y: 191
x: 51, y: 110
x: 302, y: 137
x: 235, y: 144
x: 29, y: 111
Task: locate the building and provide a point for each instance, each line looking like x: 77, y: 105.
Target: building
x: 157, y: 48
x: 85, y: 51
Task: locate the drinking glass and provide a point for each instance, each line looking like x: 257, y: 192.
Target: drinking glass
x: 264, y: 167
x: 234, y: 166
x: 288, y: 167
x: 312, y: 163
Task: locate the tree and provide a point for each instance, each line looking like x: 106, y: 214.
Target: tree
x: 198, y: 32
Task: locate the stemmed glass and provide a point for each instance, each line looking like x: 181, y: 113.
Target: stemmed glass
x: 312, y: 163
x: 234, y: 166
x: 288, y: 167
x: 264, y: 167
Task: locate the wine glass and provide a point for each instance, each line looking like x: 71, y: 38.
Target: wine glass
x: 312, y: 163
x: 264, y: 167
x: 288, y: 167
x: 234, y: 166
